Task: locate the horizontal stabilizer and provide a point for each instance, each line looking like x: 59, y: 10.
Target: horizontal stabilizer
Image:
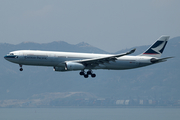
x: 153, y: 60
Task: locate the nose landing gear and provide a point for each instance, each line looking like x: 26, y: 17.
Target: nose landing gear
x: 21, y: 69
x: 86, y: 75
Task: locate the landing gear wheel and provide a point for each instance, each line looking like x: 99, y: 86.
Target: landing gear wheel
x: 89, y: 72
x: 93, y: 75
x: 86, y: 76
x: 21, y: 69
x: 81, y: 73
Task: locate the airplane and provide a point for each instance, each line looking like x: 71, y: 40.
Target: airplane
x: 71, y: 61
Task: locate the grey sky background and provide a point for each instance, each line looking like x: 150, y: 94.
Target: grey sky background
x: 110, y: 25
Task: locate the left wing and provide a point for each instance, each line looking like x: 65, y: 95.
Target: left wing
x: 96, y: 61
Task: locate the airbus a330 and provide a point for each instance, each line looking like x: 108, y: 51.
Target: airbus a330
x: 71, y: 61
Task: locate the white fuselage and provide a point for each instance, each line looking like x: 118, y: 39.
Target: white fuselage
x: 57, y: 59
x: 69, y: 61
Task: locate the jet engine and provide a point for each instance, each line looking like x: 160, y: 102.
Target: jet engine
x: 59, y: 69
x: 74, y: 66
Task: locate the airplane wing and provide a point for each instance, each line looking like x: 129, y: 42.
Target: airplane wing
x: 96, y: 61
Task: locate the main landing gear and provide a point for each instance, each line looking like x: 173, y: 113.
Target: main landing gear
x: 86, y: 75
x: 21, y: 69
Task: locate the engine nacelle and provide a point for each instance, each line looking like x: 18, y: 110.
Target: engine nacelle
x: 74, y: 66
x: 59, y: 69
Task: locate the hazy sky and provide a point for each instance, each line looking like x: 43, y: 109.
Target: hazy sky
x: 110, y: 25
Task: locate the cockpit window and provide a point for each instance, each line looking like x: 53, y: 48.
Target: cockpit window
x: 11, y: 54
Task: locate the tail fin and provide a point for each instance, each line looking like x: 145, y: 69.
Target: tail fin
x: 157, y: 48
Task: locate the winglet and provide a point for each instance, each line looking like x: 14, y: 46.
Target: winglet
x: 132, y: 51
x: 127, y: 53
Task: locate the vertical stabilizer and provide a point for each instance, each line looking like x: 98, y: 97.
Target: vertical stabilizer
x: 157, y: 48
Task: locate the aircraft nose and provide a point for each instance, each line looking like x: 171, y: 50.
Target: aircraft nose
x: 9, y: 57
x: 5, y: 57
